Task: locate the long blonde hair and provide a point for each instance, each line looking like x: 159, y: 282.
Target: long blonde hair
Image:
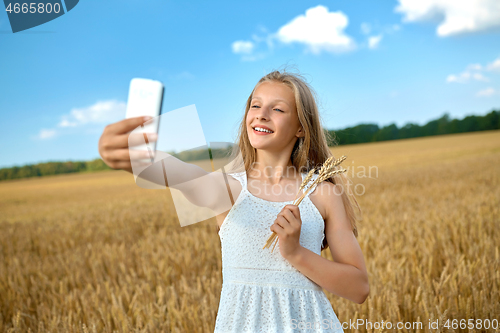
x: 310, y: 151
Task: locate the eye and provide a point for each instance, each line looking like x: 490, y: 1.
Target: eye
x: 256, y: 106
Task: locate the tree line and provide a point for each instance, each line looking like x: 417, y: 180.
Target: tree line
x: 357, y: 134
x: 444, y: 125
x: 54, y: 168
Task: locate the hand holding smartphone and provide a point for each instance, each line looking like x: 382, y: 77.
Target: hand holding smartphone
x: 145, y: 98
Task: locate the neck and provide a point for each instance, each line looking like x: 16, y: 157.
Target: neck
x: 272, y: 167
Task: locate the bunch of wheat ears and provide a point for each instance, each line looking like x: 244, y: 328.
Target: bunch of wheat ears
x: 327, y: 170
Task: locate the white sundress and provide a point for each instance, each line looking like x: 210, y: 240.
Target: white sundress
x: 261, y: 290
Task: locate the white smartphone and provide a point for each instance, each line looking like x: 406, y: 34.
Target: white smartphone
x: 145, y: 98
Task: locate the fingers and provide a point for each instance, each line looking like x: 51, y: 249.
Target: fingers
x: 115, y: 148
x: 138, y: 154
x: 130, y: 140
x: 281, y: 222
x: 125, y: 125
x: 126, y: 165
x: 277, y: 229
x: 288, y: 215
x: 291, y: 213
x: 115, y: 142
x: 287, y: 221
x: 128, y: 155
x: 293, y: 209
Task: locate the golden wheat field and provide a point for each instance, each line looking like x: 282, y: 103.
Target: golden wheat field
x: 96, y: 253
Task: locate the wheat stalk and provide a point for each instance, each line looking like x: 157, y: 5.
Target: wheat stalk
x: 304, y: 183
x: 317, y: 181
x: 326, y: 171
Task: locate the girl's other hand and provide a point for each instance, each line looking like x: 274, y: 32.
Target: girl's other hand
x: 287, y: 226
x: 114, y: 143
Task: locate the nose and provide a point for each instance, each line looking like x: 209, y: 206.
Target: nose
x: 262, y: 113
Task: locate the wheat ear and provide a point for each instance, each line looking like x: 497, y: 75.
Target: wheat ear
x: 326, y: 171
x: 304, y: 182
x: 318, y: 180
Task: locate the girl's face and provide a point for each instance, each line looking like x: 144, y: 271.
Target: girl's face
x: 273, y: 107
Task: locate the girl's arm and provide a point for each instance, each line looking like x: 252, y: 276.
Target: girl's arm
x: 201, y: 188
x: 347, y: 276
x: 198, y: 186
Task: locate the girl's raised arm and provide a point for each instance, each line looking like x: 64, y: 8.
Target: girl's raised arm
x: 115, y: 152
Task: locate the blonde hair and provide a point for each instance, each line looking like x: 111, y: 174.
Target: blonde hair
x: 310, y: 151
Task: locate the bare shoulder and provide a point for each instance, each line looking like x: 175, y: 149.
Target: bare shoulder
x: 327, y: 197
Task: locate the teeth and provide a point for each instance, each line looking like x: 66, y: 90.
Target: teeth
x: 262, y: 130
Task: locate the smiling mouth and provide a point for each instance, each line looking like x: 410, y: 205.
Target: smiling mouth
x: 263, y: 132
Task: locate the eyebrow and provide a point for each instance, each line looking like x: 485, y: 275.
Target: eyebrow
x: 277, y: 99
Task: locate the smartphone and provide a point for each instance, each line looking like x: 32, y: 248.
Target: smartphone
x: 145, y: 98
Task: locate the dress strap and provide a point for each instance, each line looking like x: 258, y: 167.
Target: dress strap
x: 241, y: 177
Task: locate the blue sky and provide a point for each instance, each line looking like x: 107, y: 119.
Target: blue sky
x: 369, y: 61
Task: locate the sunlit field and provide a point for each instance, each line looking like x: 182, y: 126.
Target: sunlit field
x: 96, y: 253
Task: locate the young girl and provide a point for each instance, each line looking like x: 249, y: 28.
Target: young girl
x: 280, y: 291
x: 280, y: 139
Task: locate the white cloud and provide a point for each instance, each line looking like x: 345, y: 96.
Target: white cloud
x: 242, y: 46
x: 395, y: 27
x: 474, y: 72
x: 495, y: 65
x: 480, y: 77
x: 101, y: 112
x: 268, y: 37
x: 109, y: 111
x: 378, y: 32
x: 476, y: 67
x: 373, y: 41
x: 471, y: 72
x: 377, y: 29
x: 466, y: 76
x: 454, y: 78
x: 456, y: 16
x: 247, y: 48
x: 67, y: 123
x: 366, y: 28
x: 486, y: 92
x: 46, y: 133
x: 319, y: 29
